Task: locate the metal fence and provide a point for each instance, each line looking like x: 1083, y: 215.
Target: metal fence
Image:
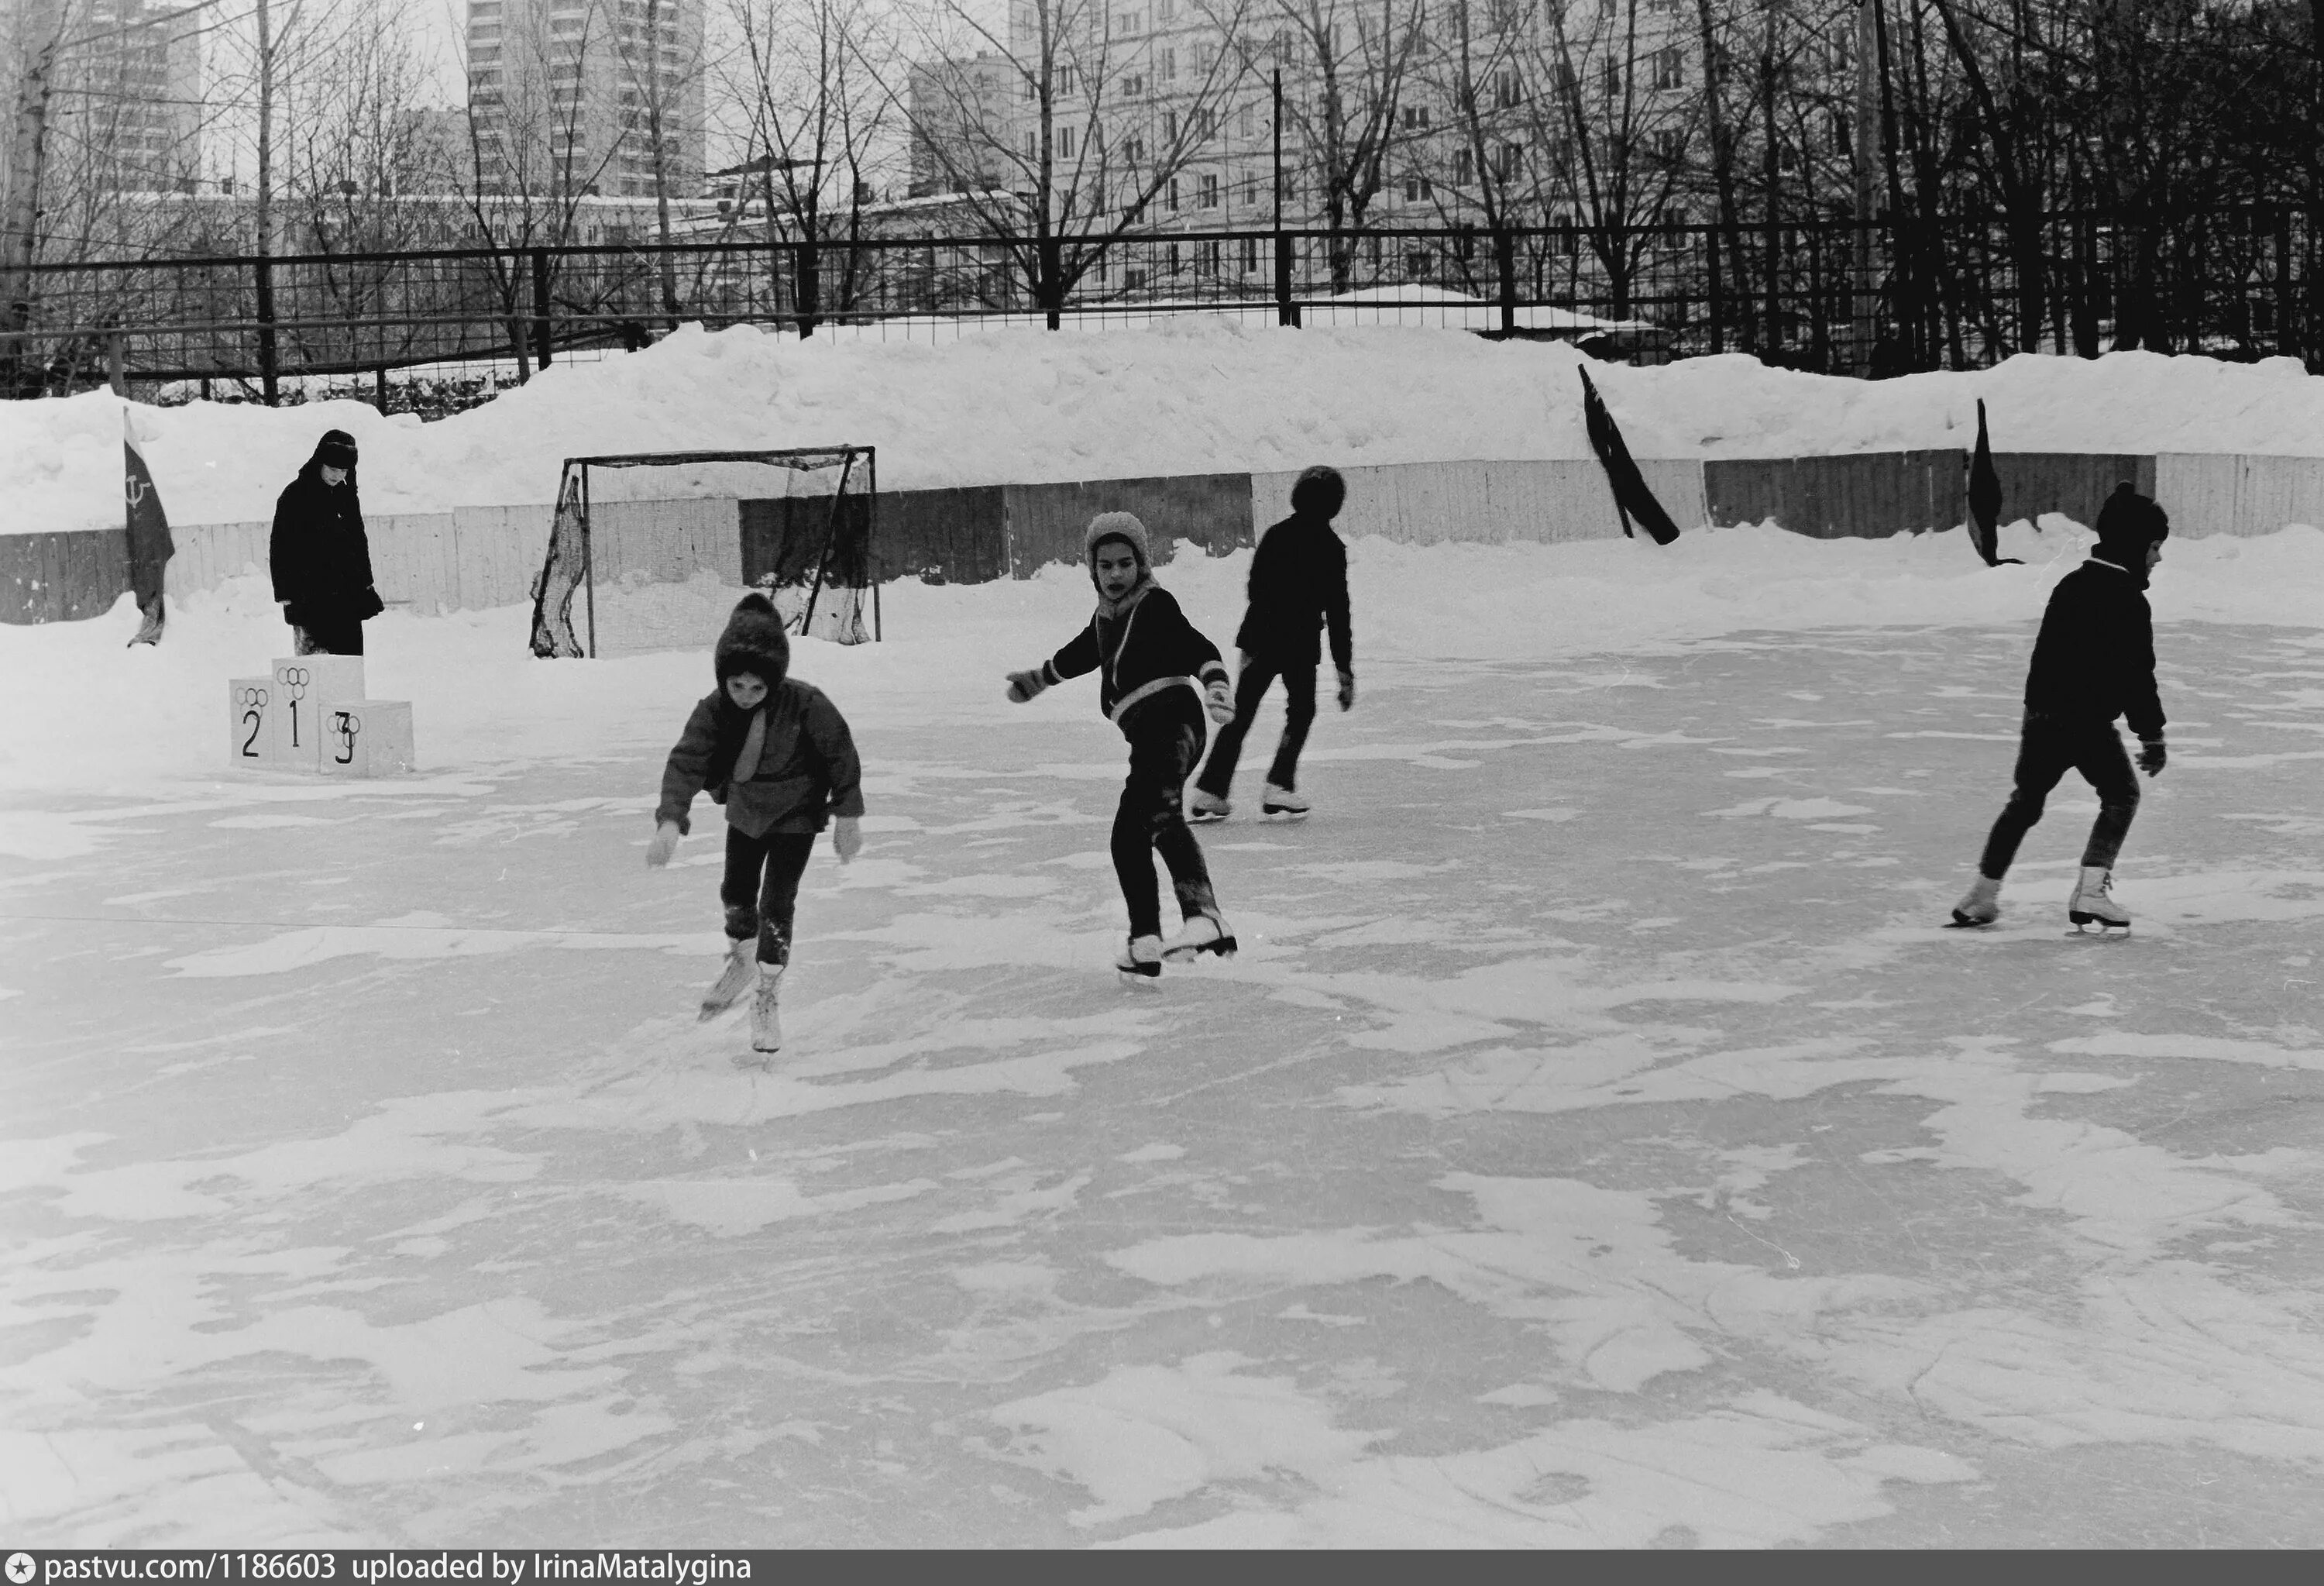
x: 1831, y: 296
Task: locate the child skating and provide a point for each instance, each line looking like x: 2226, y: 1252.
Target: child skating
x: 778, y: 754
x: 2094, y: 660
x: 1298, y: 585
x: 1156, y: 677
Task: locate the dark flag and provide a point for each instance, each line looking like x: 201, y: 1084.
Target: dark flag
x: 1632, y: 499
x: 150, y: 545
x: 1985, y: 499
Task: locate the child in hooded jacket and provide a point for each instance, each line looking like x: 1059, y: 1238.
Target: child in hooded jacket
x: 1157, y: 676
x: 778, y: 754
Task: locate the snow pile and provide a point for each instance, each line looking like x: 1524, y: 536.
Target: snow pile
x: 1194, y: 395
x: 112, y: 719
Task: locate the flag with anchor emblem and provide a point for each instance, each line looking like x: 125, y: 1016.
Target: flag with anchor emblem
x: 150, y: 545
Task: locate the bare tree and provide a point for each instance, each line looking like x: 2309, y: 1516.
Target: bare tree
x: 1347, y: 65
x: 1614, y: 123
x: 1089, y: 124
x: 806, y: 74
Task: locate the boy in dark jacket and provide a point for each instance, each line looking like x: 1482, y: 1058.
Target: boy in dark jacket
x: 2093, y: 661
x: 1156, y: 677
x: 1298, y: 585
x: 320, y: 555
x: 778, y: 754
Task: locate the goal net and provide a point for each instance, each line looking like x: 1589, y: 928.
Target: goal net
x: 650, y: 551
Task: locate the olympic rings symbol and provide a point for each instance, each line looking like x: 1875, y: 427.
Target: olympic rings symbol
x: 344, y: 725
x: 294, y: 679
x: 253, y: 698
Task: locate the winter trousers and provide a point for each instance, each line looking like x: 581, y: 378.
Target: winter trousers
x: 1298, y: 715
x: 339, y: 636
x: 2048, y: 749
x: 760, y: 889
x: 1162, y: 754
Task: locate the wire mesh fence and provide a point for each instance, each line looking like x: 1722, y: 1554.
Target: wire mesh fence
x: 440, y: 328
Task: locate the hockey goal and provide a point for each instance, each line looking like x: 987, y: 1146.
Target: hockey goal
x: 650, y: 550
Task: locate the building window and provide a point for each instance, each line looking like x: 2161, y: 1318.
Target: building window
x: 1209, y: 188
x: 1064, y: 143
x: 1165, y: 67
x: 1170, y: 128
x: 1173, y: 205
x: 1508, y: 91
x: 1415, y: 118
x: 1249, y: 255
x: 1509, y: 159
x: 1247, y: 122
x: 1418, y: 263
x: 1464, y: 168
x: 1418, y: 189
x: 1670, y: 67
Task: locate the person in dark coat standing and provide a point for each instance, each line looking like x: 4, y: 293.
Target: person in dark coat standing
x: 1298, y: 585
x: 320, y: 555
x: 2093, y: 661
x: 1157, y: 675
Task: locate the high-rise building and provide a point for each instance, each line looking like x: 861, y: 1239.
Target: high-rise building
x: 125, y: 108
x: 959, y: 111
x: 568, y: 94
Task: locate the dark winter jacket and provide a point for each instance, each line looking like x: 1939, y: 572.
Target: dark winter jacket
x: 320, y: 555
x: 1298, y: 585
x: 2095, y: 657
x: 787, y: 766
x: 806, y: 771
x: 1150, y: 660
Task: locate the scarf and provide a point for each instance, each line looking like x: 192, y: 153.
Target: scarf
x: 1113, y: 611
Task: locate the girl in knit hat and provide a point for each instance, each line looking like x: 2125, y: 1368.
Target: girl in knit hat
x: 2094, y: 660
x: 1157, y: 675
x: 778, y: 754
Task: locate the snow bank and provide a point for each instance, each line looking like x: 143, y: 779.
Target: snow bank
x: 101, y: 718
x: 1194, y: 395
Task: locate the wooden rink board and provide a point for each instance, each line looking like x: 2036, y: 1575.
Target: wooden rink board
x: 478, y: 558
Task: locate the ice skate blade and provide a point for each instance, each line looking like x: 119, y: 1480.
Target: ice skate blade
x: 1962, y: 922
x: 2107, y: 927
x: 1284, y: 816
x: 1224, y: 946
x: 1204, y: 817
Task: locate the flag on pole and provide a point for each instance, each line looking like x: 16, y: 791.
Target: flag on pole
x: 1985, y: 499
x: 1632, y: 498
x: 150, y: 545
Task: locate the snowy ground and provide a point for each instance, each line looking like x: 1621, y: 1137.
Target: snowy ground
x: 1597, y: 1142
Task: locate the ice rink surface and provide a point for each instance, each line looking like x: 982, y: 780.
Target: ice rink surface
x: 1597, y: 1142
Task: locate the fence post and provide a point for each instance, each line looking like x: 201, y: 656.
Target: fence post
x: 1718, y: 334
x: 2287, y: 343
x: 540, y: 307
x: 1286, y: 312
x: 1505, y: 266
x: 269, y: 368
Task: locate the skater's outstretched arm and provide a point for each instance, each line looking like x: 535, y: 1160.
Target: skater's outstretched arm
x: 1080, y: 655
x: 826, y: 730
x: 688, y: 765
x: 1336, y: 622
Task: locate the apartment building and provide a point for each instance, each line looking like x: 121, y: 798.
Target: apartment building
x: 125, y: 110
x: 959, y: 119
x: 1446, y: 113
x: 566, y: 95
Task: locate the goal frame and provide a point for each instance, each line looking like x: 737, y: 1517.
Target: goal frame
x: 575, y: 476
